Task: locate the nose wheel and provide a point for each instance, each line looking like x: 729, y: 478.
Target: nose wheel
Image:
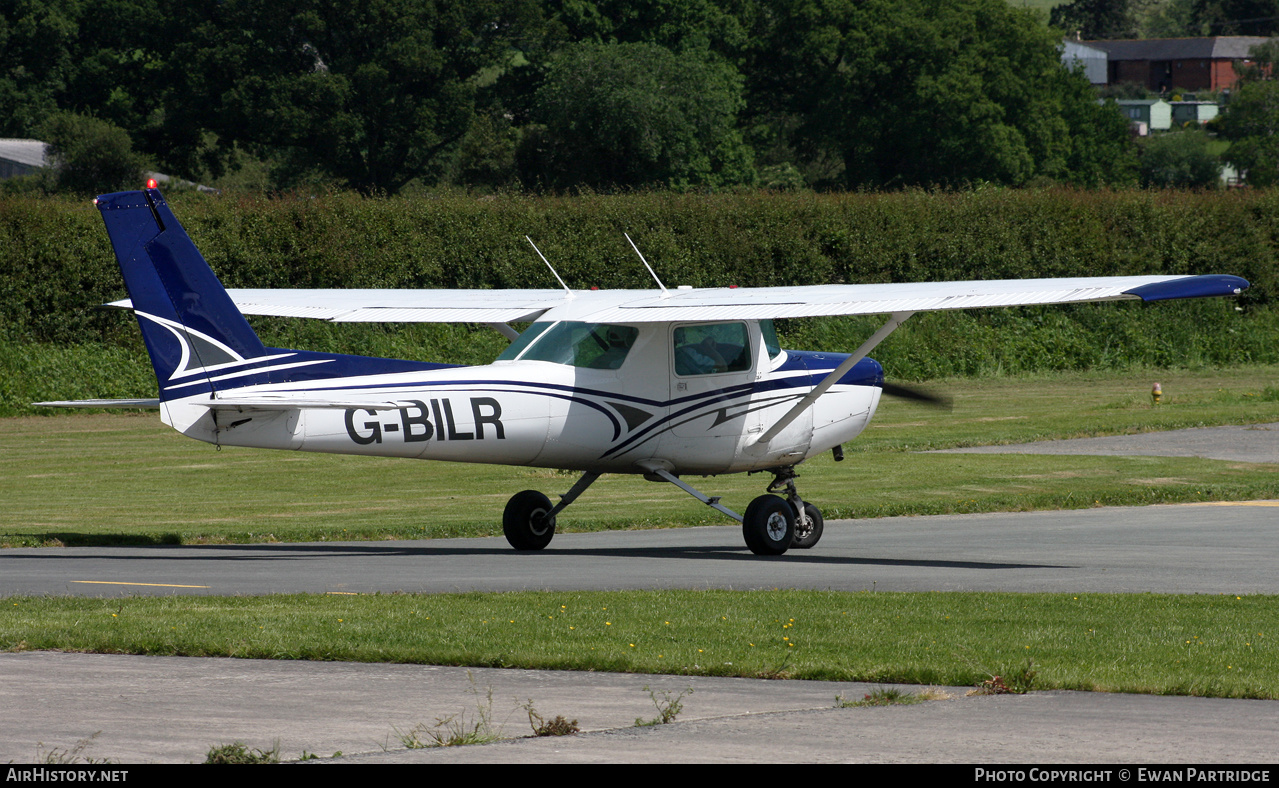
x: 808, y: 528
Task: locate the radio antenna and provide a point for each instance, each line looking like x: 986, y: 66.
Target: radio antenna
x: 548, y: 265
x: 665, y: 294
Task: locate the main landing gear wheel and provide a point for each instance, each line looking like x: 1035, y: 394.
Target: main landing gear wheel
x: 768, y: 525
x: 807, y: 534
x: 525, y: 521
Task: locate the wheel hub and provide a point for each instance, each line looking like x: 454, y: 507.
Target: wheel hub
x: 803, y: 525
x: 775, y: 526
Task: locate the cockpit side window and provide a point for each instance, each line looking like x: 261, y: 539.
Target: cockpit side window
x: 771, y: 343
x: 585, y: 345
x: 711, y: 348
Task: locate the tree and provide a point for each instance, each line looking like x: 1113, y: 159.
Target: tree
x: 911, y: 92
x: 1251, y: 119
x: 1172, y: 19
x: 372, y: 94
x: 1238, y: 17
x: 636, y: 114
x: 1098, y: 19
x: 36, y: 57
x: 119, y: 73
x: 1251, y: 123
x: 90, y: 156
x: 1180, y: 160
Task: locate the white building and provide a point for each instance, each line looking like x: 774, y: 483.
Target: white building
x: 1093, y: 60
x: 21, y: 157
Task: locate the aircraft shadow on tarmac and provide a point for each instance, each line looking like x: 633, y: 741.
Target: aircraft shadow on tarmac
x: 292, y: 551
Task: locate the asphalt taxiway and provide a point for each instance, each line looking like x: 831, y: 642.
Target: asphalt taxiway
x: 1194, y: 548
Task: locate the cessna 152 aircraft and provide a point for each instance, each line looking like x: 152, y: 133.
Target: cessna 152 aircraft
x: 659, y: 382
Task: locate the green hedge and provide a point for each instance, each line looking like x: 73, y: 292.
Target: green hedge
x: 56, y: 267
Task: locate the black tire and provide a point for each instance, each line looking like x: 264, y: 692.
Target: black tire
x: 524, y: 522
x: 804, y: 540
x: 769, y: 525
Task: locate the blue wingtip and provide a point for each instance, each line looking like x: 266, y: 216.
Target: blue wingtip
x: 1191, y: 287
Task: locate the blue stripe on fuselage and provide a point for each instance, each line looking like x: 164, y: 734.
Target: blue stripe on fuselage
x: 866, y: 372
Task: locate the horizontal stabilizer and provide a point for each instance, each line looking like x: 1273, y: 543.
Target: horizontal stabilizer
x: 144, y: 404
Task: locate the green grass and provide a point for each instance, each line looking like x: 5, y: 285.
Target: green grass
x: 118, y: 479
x: 97, y: 479
x: 1223, y: 645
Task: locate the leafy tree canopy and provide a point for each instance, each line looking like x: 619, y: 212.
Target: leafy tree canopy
x: 374, y: 95
x: 90, y: 156
x: 1180, y: 160
x: 1238, y: 17
x: 911, y: 92
x: 371, y: 94
x: 678, y: 25
x: 1098, y: 19
x: 1251, y: 122
x: 634, y: 114
x: 36, y: 58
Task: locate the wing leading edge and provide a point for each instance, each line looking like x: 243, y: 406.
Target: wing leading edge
x: 720, y: 303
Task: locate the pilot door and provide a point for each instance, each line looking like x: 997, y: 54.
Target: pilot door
x: 712, y: 384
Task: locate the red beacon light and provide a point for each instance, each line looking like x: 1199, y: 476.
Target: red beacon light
x: 151, y: 184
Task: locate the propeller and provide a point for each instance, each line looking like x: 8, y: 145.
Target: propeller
x: 920, y: 395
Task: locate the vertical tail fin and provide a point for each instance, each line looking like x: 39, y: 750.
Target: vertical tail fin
x: 190, y: 325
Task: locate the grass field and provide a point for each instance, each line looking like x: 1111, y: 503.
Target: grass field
x: 102, y: 479
x: 111, y: 479
x: 1222, y: 645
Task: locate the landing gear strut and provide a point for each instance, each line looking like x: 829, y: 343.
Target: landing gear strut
x: 529, y: 519
x: 772, y: 524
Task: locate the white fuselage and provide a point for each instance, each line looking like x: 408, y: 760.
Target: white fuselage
x: 556, y: 415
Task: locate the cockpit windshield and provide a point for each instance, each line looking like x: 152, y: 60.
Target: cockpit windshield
x: 587, y: 345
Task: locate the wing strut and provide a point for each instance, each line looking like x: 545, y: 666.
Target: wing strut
x: 505, y: 330
x: 879, y: 336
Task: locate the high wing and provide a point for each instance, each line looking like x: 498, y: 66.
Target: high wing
x: 720, y: 303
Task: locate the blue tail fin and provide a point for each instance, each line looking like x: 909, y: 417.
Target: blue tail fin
x: 190, y: 325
